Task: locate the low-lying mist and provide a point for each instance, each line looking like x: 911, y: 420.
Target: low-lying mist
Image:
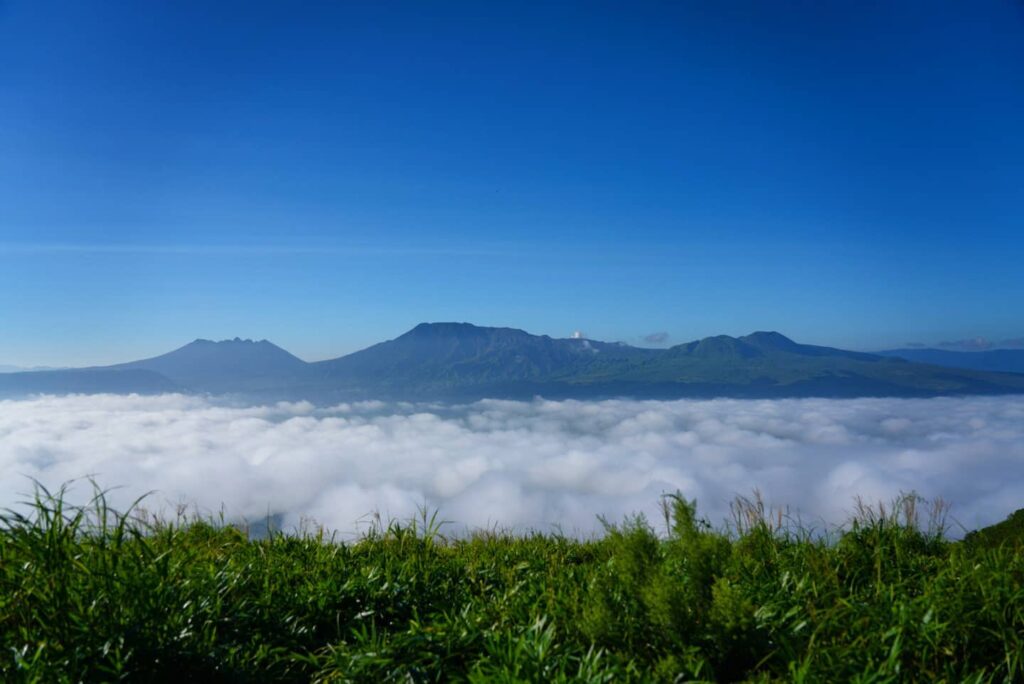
x: 520, y: 465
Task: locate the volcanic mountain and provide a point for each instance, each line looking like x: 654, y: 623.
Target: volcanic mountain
x: 462, y: 362
x: 447, y: 356
x: 227, y: 366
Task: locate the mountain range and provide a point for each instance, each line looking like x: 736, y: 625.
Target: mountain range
x: 460, y: 361
x: 999, y: 360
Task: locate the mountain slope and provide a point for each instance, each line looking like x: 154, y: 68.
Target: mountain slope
x: 1009, y: 532
x: 996, y: 360
x: 768, y: 364
x: 85, y: 381
x: 447, y: 356
x: 227, y: 366
x: 459, y: 360
x: 21, y: 369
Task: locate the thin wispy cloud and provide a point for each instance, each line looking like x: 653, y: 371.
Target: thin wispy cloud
x: 238, y: 249
x: 513, y: 249
x: 525, y: 465
x: 971, y: 344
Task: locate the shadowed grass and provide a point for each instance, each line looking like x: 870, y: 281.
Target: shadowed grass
x: 92, y: 594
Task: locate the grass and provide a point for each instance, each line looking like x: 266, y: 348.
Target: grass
x: 91, y: 594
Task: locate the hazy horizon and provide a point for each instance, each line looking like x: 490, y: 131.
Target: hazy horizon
x: 656, y: 340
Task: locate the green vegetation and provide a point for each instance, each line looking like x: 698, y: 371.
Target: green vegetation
x: 465, y: 361
x: 93, y: 595
x: 1009, y: 532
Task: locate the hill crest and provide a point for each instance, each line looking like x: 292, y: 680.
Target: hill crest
x: 462, y: 361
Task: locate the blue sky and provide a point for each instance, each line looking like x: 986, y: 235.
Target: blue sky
x: 326, y: 175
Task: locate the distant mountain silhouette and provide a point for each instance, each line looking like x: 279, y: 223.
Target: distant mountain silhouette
x: 997, y: 360
x: 460, y: 361
x: 23, y: 369
x: 85, y: 381
x: 440, y: 357
x: 463, y: 361
x: 227, y: 366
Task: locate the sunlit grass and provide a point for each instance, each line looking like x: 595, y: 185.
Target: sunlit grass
x: 92, y: 594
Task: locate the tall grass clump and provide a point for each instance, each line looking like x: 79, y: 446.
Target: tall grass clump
x: 91, y: 594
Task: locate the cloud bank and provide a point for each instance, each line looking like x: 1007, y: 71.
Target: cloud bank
x: 656, y: 338
x: 972, y: 344
x: 522, y: 465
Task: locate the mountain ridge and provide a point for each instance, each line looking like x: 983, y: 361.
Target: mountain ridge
x: 995, y: 360
x: 462, y: 361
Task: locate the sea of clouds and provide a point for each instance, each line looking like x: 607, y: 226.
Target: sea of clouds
x: 518, y: 465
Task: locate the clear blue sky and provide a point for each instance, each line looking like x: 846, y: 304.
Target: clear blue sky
x: 328, y: 174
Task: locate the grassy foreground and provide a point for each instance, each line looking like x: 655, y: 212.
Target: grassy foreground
x: 93, y: 595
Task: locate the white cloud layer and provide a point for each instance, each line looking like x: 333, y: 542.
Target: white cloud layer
x: 520, y: 464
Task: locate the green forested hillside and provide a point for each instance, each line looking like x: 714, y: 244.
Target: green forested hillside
x: 1009, y: 532
x: 466, y: 361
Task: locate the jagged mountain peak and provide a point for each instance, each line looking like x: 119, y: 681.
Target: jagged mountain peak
x: 226, y: 364
x: 237, y: 341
